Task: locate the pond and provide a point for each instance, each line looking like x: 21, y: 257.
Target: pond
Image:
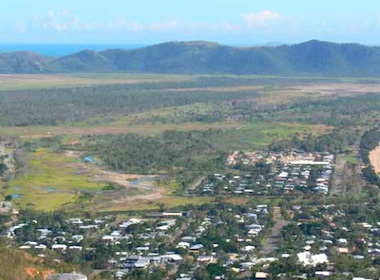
x: 50, y: 190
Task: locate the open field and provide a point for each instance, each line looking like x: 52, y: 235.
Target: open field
x: 245, y: 113
x: 309, y: 84
x: 49, y: 131
x: 226, y: 136
x: 56, y: 179
x: 50, y: 182
x: 38, y: 81
x: 257, y: 135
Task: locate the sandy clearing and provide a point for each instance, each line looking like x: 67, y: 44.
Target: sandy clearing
x: 374, y: 157
x: 340, y: 88
x: 322, y: 88
x: 122, y: 179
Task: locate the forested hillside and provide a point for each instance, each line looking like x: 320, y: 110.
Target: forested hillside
x: 310, y: 58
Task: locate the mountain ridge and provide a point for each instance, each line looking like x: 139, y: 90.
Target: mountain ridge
x: 202, y: 57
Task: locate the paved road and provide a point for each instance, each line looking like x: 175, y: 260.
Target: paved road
x: 337, y: 186
x: 273, y: 242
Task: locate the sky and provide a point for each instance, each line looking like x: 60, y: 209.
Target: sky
x: 234, y: 22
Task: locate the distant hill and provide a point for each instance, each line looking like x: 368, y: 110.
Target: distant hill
x: 23, y: 62
x: 309, y: 58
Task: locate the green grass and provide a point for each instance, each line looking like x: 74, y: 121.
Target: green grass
x: 351, y: 159
x: 257, y: 135
x: 77, y: 131
x: 50, y: 170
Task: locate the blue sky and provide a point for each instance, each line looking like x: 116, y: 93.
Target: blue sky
x: 241, y: 22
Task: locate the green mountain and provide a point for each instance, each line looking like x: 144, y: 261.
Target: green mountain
x: 23, y: 62
x: 309, y: 58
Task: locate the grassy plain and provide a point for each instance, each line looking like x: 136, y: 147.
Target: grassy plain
x: 54, y: 170
x: 77, y: 130
x: 39, y: 81
x: 257, y: 135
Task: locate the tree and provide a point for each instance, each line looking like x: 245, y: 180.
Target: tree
x: 3, y: 168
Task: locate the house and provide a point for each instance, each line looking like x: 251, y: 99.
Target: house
x: 195, y: 248
x: 75, y: 221
x: 40, y: 247
x: 172, y: 214
x: 78, y: 248
x: 88, y: 227
x: 205, y: 259
x: 130, y: 261
x: 129, y: 223
x: 184, y: 245
x: 255, y: 227
x: 261, y: 275
x: 342, y: 250
x: 108, y: 238
x: 306, y: 258
x: 59, y: 247
x: 323, y: 274
x: 172, y: 258
x: 249, y: 248
x: 142, y: 262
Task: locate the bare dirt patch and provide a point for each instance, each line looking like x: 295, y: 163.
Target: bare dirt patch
x: 142, y: 183
x: 217, y: 89
x: 99, y: 174
x: 284, y: 95
x: 374, y: 157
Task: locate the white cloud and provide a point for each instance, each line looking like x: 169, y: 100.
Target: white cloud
x: 123, y: 24
x: 58, y: 20
x: 253, y: 20
x: 64, y: 21
x: 164, y: 26
x: 135, y: 26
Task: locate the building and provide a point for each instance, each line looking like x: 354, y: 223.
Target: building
x: 68, y: 276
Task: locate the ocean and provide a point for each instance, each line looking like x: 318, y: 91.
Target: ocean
x: 62, y: 49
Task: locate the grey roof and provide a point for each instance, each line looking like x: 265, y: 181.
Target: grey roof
x: 67, y: 276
